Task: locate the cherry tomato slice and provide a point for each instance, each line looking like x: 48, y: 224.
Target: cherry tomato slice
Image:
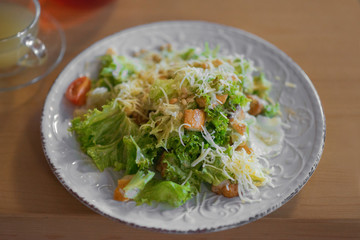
x: 77, y: 90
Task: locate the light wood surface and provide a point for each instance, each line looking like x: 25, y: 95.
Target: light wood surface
x: 323, y: 37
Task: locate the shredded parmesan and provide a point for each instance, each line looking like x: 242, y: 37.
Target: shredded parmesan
x: 181, y: 132
x: 188, y: 177
x: 201, y: 157
x: 290, y: 85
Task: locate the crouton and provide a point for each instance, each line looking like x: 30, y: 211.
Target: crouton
x: 119, y: 193
x: 195, y: 118
x: 245, y: 147
x: 221, y: 98
x: 226, y: 188
x: 173, y: 100
x: 239, y: 127
x: 256, y: 106
x: 236, y: 121
x: 201, y: 101
x: 216, y: 62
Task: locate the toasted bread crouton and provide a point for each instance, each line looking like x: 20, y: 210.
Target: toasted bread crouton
x: 216, y: 62
x: 236, y: 121
x: 203, y: 65
x: 173, y: 100
x: 245, y: 147
x: 221, y: 99
x: 195, y: 118
x: 238, y: 114
x: 239, y: 127
x: 256, y: 106
x: 201, y: 101
x: 119, y: 193
x: 167, y: 47
x: 110, y: 51
x: 226, y: 188
x: 156, y: 58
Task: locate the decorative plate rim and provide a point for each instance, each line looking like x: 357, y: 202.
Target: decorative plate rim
x: 252, y: 218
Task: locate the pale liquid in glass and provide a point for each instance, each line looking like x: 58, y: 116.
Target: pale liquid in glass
x: 14, y: 18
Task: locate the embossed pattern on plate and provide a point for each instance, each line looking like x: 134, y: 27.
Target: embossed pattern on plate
x: 302, y: 114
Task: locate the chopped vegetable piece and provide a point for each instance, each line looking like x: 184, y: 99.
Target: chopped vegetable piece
x: 77, y: 90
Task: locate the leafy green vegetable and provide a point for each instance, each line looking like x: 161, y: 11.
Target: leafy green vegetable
x: 177, y: 172
x: 110, y: 155
x: 261, y: 86
x: 210, y: 53
x: 236, y: 100
x: 138, y: 183
x: 236, y: 97
x: 140, y: 154
x: 243, y: 69
x: 218, y: 123
x: 131, y: 154
x: 178, y: 163
x: 100, y: 135
x: 114, y: 70
x: 164, y: 191
x: 169, y: 86
x: 212, y: 174
x: 191, y: 149
x: 103, y: 127
x: 189, y: 54
x: 271, y: 110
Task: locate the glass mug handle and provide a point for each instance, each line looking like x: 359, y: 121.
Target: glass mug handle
x: 38, y: 53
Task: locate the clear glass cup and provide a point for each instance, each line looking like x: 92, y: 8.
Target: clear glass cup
x: 19, y: 45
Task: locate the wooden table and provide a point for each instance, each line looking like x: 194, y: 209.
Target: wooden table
x: 323, y: 37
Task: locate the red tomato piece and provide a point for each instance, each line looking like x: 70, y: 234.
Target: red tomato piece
x: 77, y: 90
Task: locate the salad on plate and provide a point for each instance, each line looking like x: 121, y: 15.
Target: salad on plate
x: 176, y: 121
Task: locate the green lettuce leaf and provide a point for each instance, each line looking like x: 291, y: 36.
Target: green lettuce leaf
x: 170, y: 87
x: 212, y: 174
x: 164, y: 191
x: 138, y: 183
x: 131, y: 154
x: 189, y: 54
x: 103, y: 127
x: 218, y: 123
x: 110, y: 155
x: 191, y: 149
x: 177, y: 172
x: 114, y: 70
x: 261, y: 86
x: 101, y: 133
x: 139, y: 154
x: 210, y: 53
x: 271, y: 110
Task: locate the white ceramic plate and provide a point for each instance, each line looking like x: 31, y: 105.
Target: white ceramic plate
x: 302, y: 113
